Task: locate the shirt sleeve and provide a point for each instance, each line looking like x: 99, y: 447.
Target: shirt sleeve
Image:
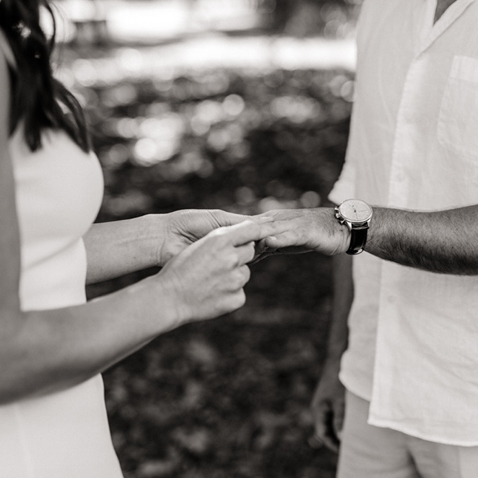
x: 344, y: 188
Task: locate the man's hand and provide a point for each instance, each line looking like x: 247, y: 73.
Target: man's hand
x: 305, y: 230
x: 182, y: 228
x: 328, y: 407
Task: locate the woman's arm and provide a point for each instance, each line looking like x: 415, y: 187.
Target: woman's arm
x: 120, y: 247
x: 49, y: 350
x: 43, y: 351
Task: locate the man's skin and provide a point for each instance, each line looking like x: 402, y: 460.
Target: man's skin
x: 442, y: 5
x: 400, y: 236
x: 441, y: 242
x: 328, y: 402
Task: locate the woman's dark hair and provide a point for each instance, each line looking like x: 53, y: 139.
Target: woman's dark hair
x: 38, y: 99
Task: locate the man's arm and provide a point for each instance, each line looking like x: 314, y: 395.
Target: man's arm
x: 442, y: 241
x: 328, y: 402
x: 342, y: 302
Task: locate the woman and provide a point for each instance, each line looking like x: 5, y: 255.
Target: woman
x: 54, y: 345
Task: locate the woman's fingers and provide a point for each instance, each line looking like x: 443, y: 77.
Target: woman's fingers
x: 245, y: 253
x: 245, y: 274
x: 210, y: 274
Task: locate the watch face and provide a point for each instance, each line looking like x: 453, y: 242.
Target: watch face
x: 355, y: 210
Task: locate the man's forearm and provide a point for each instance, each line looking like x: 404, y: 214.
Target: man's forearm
x: 444, y: 241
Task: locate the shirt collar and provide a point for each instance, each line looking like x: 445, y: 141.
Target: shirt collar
x: 433, y: 31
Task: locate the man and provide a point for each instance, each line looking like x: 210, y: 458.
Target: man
x: 411, y: 362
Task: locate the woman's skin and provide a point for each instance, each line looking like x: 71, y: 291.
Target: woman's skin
x: 120, y: 247
x: 203, y: 277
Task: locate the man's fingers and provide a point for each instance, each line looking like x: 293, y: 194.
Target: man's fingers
x: 338, y: 422
x: 320, y: 430
x: 324, y: 428
x: 320, y: 413
x: 331, y: 444
x: 315, y: 441
x: 271, y: 227
x: 282, y: 240
x: 249, y: 231
x: 261, y: 251
x: 323, y: 435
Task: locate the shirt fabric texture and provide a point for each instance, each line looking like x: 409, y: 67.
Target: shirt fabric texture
x: 367, y: 451
x: 413, y: 346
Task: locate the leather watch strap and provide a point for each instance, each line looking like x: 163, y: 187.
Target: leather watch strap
x: 358, y: 239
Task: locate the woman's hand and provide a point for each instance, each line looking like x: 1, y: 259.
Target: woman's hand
x: 183, y: 228
x: 206, y: 280
x: 121, y: 247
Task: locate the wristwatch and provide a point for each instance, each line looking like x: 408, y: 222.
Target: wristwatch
x: 356, y: 215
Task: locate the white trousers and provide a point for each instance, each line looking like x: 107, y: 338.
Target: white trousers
x: 372, y: 452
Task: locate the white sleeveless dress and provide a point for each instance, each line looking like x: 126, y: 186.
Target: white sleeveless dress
x: 58, y: 191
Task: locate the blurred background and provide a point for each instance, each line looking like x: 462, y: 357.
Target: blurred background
x: 242, y: 105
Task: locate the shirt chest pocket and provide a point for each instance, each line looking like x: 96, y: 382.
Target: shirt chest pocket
x: 458, y: 117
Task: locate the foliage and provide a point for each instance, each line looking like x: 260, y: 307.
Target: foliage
x: 229, y: 397
x: 305, y: 17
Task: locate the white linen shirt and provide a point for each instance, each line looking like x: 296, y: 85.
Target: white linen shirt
x: 413, y: 347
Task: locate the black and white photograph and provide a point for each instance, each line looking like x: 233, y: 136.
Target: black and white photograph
x: 238, y: 238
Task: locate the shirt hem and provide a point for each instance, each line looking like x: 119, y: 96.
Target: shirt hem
x: 355, y: 388
x: 377, y: 422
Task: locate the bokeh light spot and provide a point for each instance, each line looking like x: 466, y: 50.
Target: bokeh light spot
x: 233, y: 105
x: 310, y: 199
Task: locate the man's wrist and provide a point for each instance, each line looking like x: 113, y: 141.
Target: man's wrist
x: 356, y: 215
x: 342, y: 232
x: 324, y: 232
